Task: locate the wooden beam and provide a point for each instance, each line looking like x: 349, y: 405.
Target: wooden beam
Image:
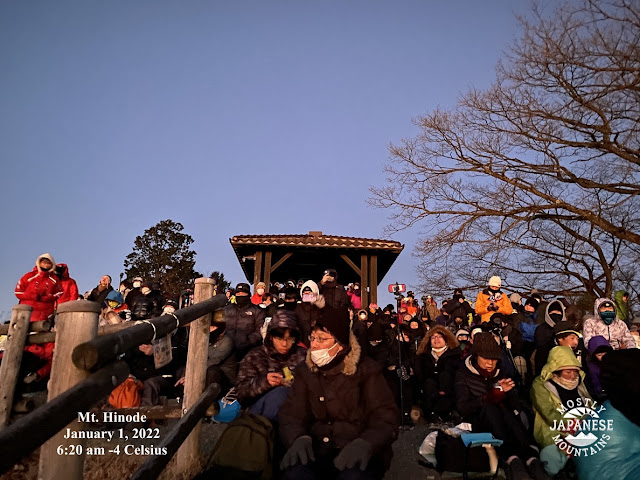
x: 10, y: 367
x: 364, y: 279
x: 351, y: 264
x: 373, y: 278
x: 267, y: 270
x: 257, y: 272
x: 281, y: 261
x: 195, y: 375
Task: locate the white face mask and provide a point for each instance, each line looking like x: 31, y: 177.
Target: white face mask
x: 322, y: 357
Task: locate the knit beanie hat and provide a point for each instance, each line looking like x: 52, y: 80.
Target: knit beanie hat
x: 533, y: 302
x: 485, y: 346
x: 495, y: 281
x: 336, y: 322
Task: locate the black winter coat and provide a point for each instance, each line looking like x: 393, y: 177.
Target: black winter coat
x: 334, y: 295
x: 471, y: 388
x: 443, y: 371
x: 99, y: 296
x: 339, y: 404
x: 544, y: 340
x: 243, y: 325
x: 308, y: 314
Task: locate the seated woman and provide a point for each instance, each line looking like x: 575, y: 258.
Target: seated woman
x: 560, y: 384
x: 488, y: 400
x: 437, y: 363
x: 598, y: 348
x: 265, y: 374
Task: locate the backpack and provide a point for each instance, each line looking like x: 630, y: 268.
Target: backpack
x: 451, y: 453
x: 244, y: 450
x: 127, y: 394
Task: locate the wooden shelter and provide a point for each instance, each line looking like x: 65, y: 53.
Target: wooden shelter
x: 280, y: 258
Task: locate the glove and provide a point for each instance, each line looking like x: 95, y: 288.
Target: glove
x: 300, y: 452
x: 32, y: 377
x: 355, y: 452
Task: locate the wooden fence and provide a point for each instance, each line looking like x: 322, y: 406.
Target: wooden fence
x: 86, y: 368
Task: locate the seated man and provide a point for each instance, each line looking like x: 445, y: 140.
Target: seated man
x: 488, y: 400
x: 340, y: 418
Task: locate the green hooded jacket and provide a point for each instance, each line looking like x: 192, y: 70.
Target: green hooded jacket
x: 621, y: 306
x: 545, y: 398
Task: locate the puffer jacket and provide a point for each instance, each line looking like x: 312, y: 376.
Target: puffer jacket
x: 40, y: 289
x: 68, y: 284
x: 620, y: 459
x: 340, y: 403
x: 617, y: 334
x: 243, y: 325
x: 251, y: 382
x: 471, y: 390
x: 544, y: 395
x: 485, y: 298
x: 444, y: 369
x: 334, y: 295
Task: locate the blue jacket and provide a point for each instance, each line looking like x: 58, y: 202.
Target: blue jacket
x: 620, y: 458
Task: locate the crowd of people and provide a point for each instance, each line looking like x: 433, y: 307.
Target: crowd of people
x: 338, y: 378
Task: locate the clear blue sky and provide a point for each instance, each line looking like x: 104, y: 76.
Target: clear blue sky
x: 230, y: 117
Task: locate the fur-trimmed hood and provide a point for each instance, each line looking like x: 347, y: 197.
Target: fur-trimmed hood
x: 349, y: 363
x: 49, y: 257
x: 449, y: 339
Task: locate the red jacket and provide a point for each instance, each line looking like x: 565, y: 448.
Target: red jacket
x: 40, y: 290
x: 68, y: 284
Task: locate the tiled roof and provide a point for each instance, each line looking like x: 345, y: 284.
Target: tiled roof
x: 317, y: 239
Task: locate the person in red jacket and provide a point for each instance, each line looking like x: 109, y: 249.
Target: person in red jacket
x: 40, y: 288
x: 68, y: 284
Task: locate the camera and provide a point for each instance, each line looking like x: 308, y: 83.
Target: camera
x: 397, y: 288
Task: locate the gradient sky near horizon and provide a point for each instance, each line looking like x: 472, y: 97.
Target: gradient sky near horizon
x: 252, y: 117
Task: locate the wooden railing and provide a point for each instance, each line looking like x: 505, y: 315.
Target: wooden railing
x: 86, y: 368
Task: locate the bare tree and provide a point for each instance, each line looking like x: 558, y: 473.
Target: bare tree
x: 538, y: 174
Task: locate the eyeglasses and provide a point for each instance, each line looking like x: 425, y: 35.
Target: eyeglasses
x: 313, y: 338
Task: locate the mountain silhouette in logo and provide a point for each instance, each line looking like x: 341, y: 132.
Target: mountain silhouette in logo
x: 581, y: 440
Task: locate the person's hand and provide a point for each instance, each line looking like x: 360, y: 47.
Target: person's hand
x: 32, y: 377
x: 147, y: 349
x: 274, y: 379
x: 506, y: 384
x: 356, y: 452
x: 300, y: 452
x: 179, y: 382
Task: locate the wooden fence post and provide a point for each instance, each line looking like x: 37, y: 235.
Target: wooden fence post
x: 189, y: 456
x: 76, y: 322
x: 12, y: 358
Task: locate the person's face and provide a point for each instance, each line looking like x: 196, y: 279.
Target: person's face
x: 242, y: 294
x: 284, y: 344
x: 437, y: 341
x: 45, y: 264
x: 458, y: 320
x: 569, y: 374
x: 463, y: 338
x: 529, y: 308
x: 600, y: 356
x: 488, y: 364
x: 606, y: 308
x: 570, y: 340
x: 494, y: 288
x: 105, y: 281
x: 320, y: 339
